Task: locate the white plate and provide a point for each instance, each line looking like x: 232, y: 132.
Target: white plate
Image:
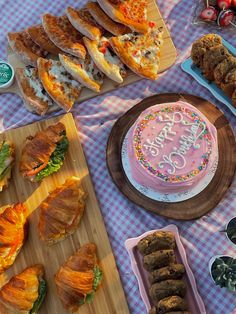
x: 188, y: 67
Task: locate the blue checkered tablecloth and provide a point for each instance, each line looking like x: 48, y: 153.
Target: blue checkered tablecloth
x: 95, y: 119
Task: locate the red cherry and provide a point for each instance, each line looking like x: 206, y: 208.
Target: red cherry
x: 224, y: 4
x: 233, y: 3
x: 225, y: 18
x: 209, y: 14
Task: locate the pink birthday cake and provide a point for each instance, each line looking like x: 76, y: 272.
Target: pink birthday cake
x: 171, y: 147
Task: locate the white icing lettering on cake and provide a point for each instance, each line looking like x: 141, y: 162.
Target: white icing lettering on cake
x: 174, y: 164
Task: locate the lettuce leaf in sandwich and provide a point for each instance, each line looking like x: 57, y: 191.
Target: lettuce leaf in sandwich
x: 6, y: 161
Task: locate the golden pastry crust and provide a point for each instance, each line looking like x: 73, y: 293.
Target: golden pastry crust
x: 35, y: 101
x: 105, y: 21
x: 64, y: 93
x: 75, y: 279
x: 111, y: 70
x: 128, y: 47
x: 25, y: 48
x: 13, y: 232
x: 84, y: 23
x: 61, y: 211
x: 64, y: 35
x: 129, y: 12
x: 21, y: 291
x: 9, y: 163
x: 80, y: 71
x: 38, y: 149
x: 39, y: 36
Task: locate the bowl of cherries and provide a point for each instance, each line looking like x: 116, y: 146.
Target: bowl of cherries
x: 221, y: 12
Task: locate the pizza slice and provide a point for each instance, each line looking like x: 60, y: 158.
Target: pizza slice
x: 140, y: 52
x: 64, y: 35
x: 27, y: 50
x: 105, y: 21
x: 58, y: 83
x: 33, y: 93
x: 39, y: 36
x: 83, y: 21
x: 83, y: 71
x: 61, y: 211
x: 128, y: 12
x: 105, y: 59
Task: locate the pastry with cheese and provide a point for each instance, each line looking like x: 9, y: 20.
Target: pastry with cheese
x: 27, y: 50
x: 33, y: 93
x: 58, y: 83
x: 105, y: 59
x: 64, y: 35
x: 140, y: 52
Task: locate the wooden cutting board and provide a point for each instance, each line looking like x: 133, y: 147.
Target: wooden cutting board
x: 167, y: 59
x: 110, y: 298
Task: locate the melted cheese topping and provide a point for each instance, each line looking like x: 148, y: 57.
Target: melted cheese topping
x: 37, y: 86
x: 144, y: 48
x: 134, y: 10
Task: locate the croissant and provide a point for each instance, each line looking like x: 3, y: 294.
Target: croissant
x: 44, y: 153
x: 61, y: 211
x: 25, y: 292
x: 79, y: 278
x: 13, y: 231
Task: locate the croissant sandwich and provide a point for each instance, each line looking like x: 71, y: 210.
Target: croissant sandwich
x: 13, y: 231
x: 79, y: 278
x: 7, y: 156
x: 24, y: 293
x: 44, y: 153
x: 61, y: 211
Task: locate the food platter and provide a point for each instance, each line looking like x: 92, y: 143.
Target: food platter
x: 188, y: 67
x: 198, y: 205
x: 110, y: 297
x: 167, y: 59
x: 195, y: 301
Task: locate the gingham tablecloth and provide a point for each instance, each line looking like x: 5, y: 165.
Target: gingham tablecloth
x: 95, y: 118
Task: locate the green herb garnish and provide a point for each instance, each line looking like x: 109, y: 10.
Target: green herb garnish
x: 56, y: 159
x: 224, y: 272
x: 4, y: 154
x: 97, y: 277
x: 41, y: 294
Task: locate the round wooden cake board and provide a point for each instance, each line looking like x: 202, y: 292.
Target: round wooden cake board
x: 206, y: 200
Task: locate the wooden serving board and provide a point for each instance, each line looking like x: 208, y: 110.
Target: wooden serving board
x: 167, y: 59
x: 203, y: 202
x: 110, y: 297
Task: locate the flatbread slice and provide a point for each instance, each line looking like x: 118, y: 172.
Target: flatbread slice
x: 105, y: 59
x: 129, y: 12
x: 83, y: 21
x: 34, y: 95
x: 64, y: 35
x: 58, y: 83
x: 39, y: 36
x: 140, y: 52
x: 25, y: 48
x: 105, y: 21
x: 83, y: 71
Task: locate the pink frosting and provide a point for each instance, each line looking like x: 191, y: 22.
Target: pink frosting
x: 171, y: 147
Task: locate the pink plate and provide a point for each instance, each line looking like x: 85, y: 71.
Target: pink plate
x: 196, y: 305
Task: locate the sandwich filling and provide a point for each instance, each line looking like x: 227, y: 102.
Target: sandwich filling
x: 6, y: 160
x: 41, y: 294
x: 55, y: 162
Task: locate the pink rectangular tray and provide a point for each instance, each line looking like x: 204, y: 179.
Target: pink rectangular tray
x: 196, y: 305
